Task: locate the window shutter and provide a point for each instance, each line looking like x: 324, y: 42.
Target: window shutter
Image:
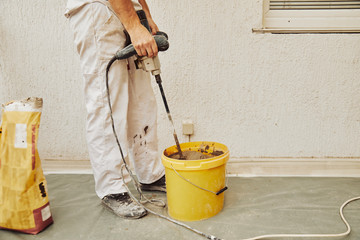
x: 311, y: 16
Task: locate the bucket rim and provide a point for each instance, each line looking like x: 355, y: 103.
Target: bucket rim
x: 200, y: 164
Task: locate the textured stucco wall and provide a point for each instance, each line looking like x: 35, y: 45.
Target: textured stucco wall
x: 263, y: 95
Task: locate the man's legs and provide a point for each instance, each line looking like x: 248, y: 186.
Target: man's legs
x: 98, y: 34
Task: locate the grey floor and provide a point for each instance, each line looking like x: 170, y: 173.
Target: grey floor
x: 253, y: 206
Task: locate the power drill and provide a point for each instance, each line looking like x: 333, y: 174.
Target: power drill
x: 147, y: 64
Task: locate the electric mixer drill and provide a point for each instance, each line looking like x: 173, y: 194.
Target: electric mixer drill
x: 150, y: 65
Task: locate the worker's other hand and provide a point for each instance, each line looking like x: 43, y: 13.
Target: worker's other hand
x: 143, y: 42
x: 154, y: 28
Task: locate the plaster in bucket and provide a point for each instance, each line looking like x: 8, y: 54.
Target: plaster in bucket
x: 195, y: 187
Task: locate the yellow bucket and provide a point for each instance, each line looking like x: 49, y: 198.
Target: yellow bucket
x: 195, y: 188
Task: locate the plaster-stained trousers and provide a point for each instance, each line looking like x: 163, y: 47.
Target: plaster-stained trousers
x: 98, y: 34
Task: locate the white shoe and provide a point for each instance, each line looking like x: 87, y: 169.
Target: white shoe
x: 122, y: 205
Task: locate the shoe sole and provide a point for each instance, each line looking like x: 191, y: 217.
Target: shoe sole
x: 125, y: 217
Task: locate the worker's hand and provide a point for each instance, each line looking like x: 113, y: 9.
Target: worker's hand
x: 143, y: 42
x: 154, y: 28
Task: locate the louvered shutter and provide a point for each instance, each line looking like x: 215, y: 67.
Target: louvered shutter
x: 311, y: 16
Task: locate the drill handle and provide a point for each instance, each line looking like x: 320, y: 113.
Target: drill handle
x: 161, y: 42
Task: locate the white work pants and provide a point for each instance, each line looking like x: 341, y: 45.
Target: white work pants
x: 98, y: 34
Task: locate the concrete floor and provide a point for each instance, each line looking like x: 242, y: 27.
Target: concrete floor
x: 253, y: 206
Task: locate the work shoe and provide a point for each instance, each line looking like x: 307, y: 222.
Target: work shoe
x: 159, y: 185
x: 122, y: 205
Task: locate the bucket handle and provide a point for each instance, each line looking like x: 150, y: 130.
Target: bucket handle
x: 216, y: 193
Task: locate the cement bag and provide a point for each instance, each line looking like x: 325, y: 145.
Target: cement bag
x: 24, y: 203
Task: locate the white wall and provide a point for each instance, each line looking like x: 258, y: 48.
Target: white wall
x: 263, y: 95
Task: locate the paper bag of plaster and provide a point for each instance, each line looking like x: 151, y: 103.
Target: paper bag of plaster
x: 24, y: 203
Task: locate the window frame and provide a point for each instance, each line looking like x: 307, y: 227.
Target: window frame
x: 309, y: 21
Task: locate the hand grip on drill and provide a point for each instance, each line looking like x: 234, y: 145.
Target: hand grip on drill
x: 161, y: 42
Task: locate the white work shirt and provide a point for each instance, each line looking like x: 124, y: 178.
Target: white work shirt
x: 73, y: 6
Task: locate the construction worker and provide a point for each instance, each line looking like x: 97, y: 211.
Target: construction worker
x: 98, y: 27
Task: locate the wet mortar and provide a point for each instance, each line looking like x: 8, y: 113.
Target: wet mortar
x: 194, y: 155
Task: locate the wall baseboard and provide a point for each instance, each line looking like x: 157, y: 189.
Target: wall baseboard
x: 287, y: 166
x: 61, y: 166
x: 245, y: 167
